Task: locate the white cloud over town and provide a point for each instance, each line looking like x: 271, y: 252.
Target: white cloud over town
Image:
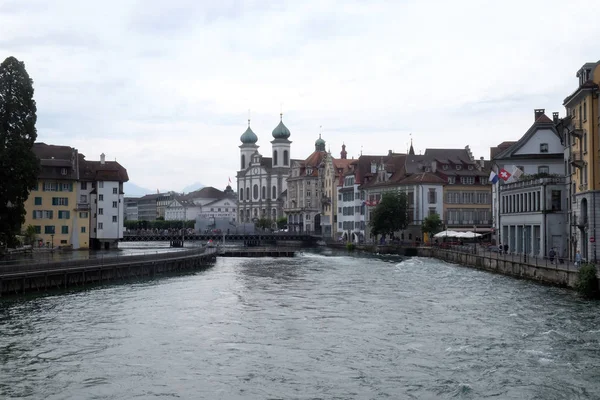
x: 165, y: 87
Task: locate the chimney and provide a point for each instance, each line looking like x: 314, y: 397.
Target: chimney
x: 433, y: 166
x: 481, y: 162
x: 102, y: 158
x: 343, y: 153
x: 538, y: 112
x: 555, y: 117
x: 389, y: 152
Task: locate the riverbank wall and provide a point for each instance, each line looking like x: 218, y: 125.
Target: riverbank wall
x: 22, y: 278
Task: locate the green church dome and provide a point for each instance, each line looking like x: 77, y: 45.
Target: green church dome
x: 249, y: 137
x: 281, y: 131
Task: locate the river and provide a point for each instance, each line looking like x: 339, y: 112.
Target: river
x: 318, y: 326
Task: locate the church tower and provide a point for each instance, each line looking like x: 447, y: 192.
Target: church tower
x: 248, y: 147
x: 281, y: 145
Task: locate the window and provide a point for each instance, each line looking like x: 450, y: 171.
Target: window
x: 543, y: 147
x: 63, y: 171
x: 64, y: 214
x: 432, y: 196
x: 247, y: 193
x: 101, y: 185
x: 458, y: 167
x: 255, y: 192
x: 467, y: 180
x: 49, y: 229
x: 83, y: 229
x: 584, y: 142
x: 83, y: 214
x: 64, y: 229
x: 100, y: 226
x: 114, y: 204
x: 48, y: 214
x: 83, y: 185
x: 470, y: 168
x: 264, y: 192
x: 38, y: 201
x: 101, y: 211
x: 66, y: 187
x: 432, y: 211
x: 35, y: 186
x: 274, y: 157
x: 542, y: 169
x: 100, y: 197
x: 285, y: 157
x: 60, y: 201
x: 242, y: 194
x: 445, y: 167
x: 38, y: 229
x: 50, y: 187
x: 115, y: 191
x: 451, y: 180
x: 274, y: 194
x: 114, y: 218
x: 308, y: 193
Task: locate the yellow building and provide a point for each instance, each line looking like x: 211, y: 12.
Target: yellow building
x: 52, y: 207
x: 581, y: 138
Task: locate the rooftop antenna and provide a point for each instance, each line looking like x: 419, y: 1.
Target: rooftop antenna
x: 361, y: 150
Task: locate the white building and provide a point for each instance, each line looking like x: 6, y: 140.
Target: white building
x: 207, y: 202
x: 530, y: 212
x: 102, y: 183
x: 262, y: 180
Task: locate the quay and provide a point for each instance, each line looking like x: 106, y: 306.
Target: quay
x: 21, y: 278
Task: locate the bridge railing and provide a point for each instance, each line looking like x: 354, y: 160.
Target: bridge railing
x: 98, y: 261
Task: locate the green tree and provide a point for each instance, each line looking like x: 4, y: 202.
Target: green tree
x: 390, y: 215
x: 19, y: 165
x: 29, y: 234
x: 281, y: 222
x: 432, y: 225
x: 264, y: 223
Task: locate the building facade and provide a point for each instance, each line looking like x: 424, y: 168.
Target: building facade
x: 531, y: 219
x: 131, y: 209
x: 261, y: 181
x: 304, y: 189
x: 581, y: 137
x: 334, y: 170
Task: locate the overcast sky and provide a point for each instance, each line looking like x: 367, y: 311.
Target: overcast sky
x: 165, y: 87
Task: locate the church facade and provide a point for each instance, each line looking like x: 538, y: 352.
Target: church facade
x: 261, y: 181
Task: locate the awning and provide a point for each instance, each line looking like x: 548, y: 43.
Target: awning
x: 471, y: 229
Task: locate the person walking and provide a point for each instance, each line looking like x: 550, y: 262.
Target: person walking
x: 577, y: 259
x: 551, y: 255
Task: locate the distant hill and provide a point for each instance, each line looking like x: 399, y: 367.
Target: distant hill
x: 192, y: 187
x: 133, y: 190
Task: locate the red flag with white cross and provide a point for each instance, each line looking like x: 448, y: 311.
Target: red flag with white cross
x: 504, y: 174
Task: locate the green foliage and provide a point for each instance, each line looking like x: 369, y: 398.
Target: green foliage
x: 19, y: 166
x: 263, y: 223
x: 391, y: 214
x: 528, y: 177
x: 587, y: 284
x: 158, y: 224
x: 281, y: 222
x: 432, y: 225
x: 29, y: 234
x: 350, y: 246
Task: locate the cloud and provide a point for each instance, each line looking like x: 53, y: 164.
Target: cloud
x: 165, y: 87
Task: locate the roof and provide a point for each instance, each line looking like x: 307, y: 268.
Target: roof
x: 585, y: 86
x: 56, y: 162
x: 422, y: 177
x: 454, y: 156
x: 207, y: 192
x: 98, y: 171
x: 542, y: 122
x: 494, y: 151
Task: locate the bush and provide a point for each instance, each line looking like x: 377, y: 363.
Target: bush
x: 587, y: 284
x: 350, y: 246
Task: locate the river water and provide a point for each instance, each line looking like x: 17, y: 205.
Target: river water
x: 312, y: 327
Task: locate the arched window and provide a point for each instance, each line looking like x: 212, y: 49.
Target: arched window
x: 275, y: 157
x: 274, y: 195
x: 286, y: 157
x: 247, y: 193
x: 243, y: 161
x: 264, y: 192
x: 255, y: 192
x: 241, y: 195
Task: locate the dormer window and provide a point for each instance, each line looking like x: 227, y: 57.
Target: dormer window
x: 470, y: 168
x: 543, y: 147
x: 451, y: 180
x: 458, y: 167
x: 445, y: 167
x: 63, y: 171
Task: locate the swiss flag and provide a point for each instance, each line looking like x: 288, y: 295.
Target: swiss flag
x: 504, y: 174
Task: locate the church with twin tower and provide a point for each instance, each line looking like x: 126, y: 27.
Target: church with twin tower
x: 261, y: 181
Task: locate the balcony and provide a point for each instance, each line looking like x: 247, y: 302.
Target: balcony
x: 555, y: 180
x: 577, y: 130
x: 577, y: 160
x: 83, y: 206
